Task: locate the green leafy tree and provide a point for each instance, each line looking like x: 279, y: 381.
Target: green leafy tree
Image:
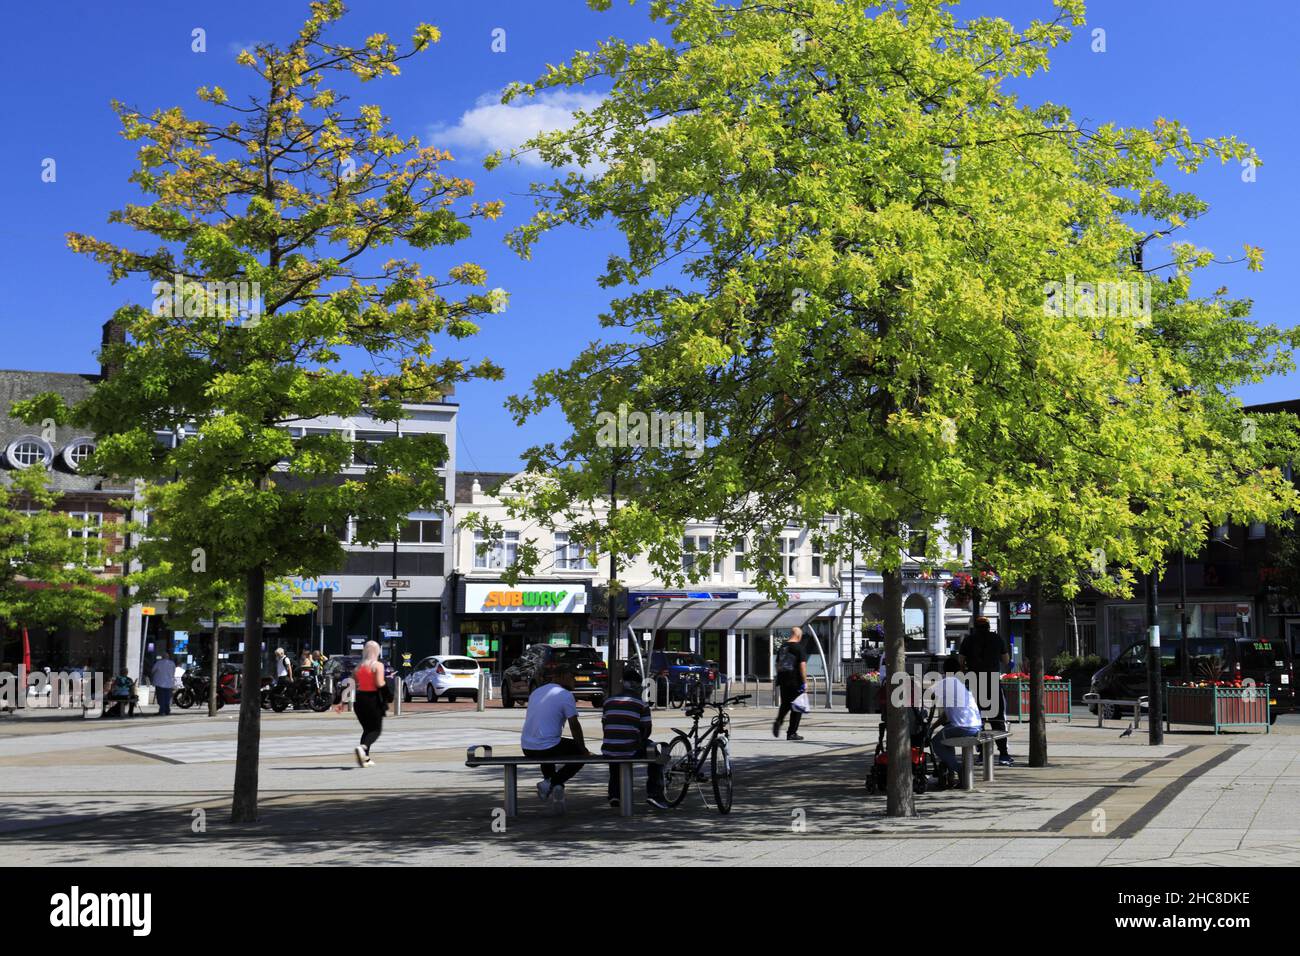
x: 286, y: 197
x: 47, y: 568
x: 847, y: 245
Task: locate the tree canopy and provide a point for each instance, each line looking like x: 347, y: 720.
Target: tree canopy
x: 898, y: 295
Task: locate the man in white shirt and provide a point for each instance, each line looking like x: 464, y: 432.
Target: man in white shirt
x: 163, y: 675
x: 549, y: 708
x: 961, y: 714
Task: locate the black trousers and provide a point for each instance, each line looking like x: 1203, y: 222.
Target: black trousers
x: 999, y: 720
x: 567, y: 747
x: 369, y: 708
x: 654, y: 785
x: 789, y: 691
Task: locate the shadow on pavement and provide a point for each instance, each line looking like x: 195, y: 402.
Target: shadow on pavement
x: 826, y: 796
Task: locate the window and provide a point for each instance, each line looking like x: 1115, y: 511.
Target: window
x: 1256, y: 531
x: 790, y: 557
x: 500, y: 553
x: 422, y: 531
x: 695, y: 544
x: 78, y: 451
x: 29, y: 450
x: 365, y: 443
x: 816, y: 563
x: 91, y: 529
x: 917, y: 540
x: 742, y: 561
x: 571, y: 555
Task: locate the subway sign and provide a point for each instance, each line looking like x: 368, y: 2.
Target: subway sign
x: 560, y: 597
x: 513, y: 599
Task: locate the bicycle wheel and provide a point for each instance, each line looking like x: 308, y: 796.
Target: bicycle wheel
x: 677, y: 772
x: 723, y: 784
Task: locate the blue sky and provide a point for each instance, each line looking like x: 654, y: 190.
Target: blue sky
x: 1221, y: 68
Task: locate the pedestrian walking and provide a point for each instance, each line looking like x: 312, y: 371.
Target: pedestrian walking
x: 791, y: 681
x: 370, y: 701
x: 984, y: 652
x: 163, y: 675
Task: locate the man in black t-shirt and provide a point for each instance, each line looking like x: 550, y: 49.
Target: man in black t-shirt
x: 791, y: 681
x: 985, y: 653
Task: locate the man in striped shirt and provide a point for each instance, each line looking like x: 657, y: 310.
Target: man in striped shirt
x: 625, y: 723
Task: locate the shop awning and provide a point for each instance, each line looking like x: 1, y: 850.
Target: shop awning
x: 724, y: 614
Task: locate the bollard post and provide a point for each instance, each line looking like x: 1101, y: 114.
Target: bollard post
x: 484, y: 683
x: 397, y: 695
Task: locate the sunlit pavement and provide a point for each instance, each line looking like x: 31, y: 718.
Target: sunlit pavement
x: 156, y: 790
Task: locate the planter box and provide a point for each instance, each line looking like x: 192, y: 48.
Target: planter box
x: 1056, y: 699
x: 860, y: 696
x: 1217, y: 707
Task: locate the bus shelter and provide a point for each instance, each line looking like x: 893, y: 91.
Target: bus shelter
x: 731, y: 615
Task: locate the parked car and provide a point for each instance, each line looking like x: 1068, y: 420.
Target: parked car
x: 448, y: 677
x: 1223, y: 658
x: 536, y: 665
x: 670, y: 670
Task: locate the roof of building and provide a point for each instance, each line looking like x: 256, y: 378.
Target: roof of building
x: 488, y: 482
x: 17, y: 385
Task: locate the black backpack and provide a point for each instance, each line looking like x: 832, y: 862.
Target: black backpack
x: 786, y: 661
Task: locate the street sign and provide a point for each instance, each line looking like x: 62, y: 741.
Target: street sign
x: 325, y: 606
x: 397, y: 584
x: 148, y: 611
x: 387, y: 633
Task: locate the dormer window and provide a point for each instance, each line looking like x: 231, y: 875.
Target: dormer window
x: 78, y: 451
x: 27, y: 451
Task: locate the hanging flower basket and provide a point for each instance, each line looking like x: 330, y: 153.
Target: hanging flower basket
x: 963, y: 586
x: 1056, y: 696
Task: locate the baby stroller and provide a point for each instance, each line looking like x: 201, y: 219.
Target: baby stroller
x: 919, y: 725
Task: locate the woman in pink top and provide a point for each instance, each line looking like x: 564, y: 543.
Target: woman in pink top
x: 369, y: 704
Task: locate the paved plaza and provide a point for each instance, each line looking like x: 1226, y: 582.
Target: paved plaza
x: 129, y: 791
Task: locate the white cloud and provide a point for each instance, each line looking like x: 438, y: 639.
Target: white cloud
x: 492, y: 125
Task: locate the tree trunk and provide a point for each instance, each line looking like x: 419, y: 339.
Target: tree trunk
x: 899, y: 787
x: 1037, y: 700
x: 214, y: 671
x: 244, y: 805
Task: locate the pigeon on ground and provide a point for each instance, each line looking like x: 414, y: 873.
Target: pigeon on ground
x: 1127, y: 731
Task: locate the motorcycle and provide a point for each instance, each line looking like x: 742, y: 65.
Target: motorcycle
x: 194, y: 690
x: 308, y: 692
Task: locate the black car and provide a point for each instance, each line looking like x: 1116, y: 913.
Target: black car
x: 1221, y: 658
x: 536, y: 665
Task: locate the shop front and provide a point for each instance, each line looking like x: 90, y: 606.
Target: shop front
x: 496, y: 622
x: 363, y: 611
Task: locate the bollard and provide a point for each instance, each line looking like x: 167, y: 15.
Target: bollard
x: 483, y: 679
x: 397, y: 695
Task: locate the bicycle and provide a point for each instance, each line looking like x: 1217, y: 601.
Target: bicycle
x: 689, y: 752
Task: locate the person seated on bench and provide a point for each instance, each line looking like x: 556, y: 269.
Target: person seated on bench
x: 120, y: 694
x: 626, y: 723
x: 543, y: 736
x: 959, y: 716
